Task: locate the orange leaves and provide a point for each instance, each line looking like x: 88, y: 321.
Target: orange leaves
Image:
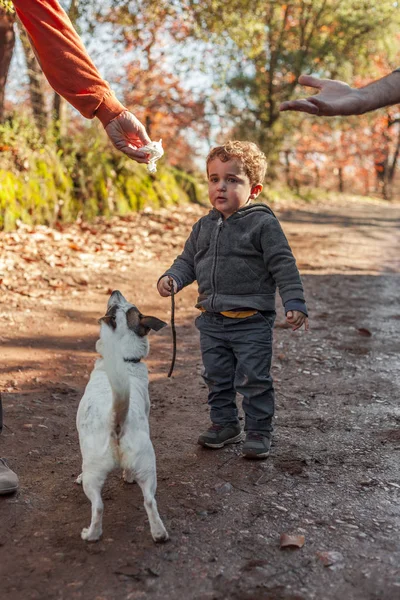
x: 161, y: 102
x: 74, y: 246
x: 362, y: 147
x: 37, y: 261
x: 292, y: 541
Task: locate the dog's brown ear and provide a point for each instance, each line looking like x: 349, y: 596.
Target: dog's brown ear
x: 109, y: 317
x: 141, y: 324
x: 108, y: 320
x: 132, y: 319
x: 152, y: 323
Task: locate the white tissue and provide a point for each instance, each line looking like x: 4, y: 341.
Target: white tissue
x: 156, y: 151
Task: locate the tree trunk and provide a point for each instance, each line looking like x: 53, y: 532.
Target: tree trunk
x: 396, y: 153
x: 287, y: 168
x: 366, y: 182
x: 7, y: 41
x: 341, y: 180
x: 37, y: 82
x: 58, y: 118
x: 317, y: 177
x: 148, y: 124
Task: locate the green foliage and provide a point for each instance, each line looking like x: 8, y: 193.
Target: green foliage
x: 7, y: 5
x: 40, y: 184
x: 270, y: 43
x: 191, y: 186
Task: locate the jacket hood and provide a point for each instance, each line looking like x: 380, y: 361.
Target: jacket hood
x: 244, y: 211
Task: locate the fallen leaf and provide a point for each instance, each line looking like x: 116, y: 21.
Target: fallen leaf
x: 82, y: 281
x: 292, y: 541
x: 364, y: 332
x: 329, y: 558
x: 74, y: 246
x: 29, y: 259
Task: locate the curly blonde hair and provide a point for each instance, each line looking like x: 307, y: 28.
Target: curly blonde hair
x: 249, y: 154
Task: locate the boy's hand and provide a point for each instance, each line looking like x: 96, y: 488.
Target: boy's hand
x: 164, y: 286
x: 297, y: 319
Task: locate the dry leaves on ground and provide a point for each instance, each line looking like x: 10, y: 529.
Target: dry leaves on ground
x: 34, y: 259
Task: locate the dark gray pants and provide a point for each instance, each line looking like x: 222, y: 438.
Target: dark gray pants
x: 237, y: 356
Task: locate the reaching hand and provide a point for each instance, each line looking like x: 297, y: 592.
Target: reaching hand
x: 128, y: 134
x: 164, y: 286
x: 335, y: 98
x: 296, y: 319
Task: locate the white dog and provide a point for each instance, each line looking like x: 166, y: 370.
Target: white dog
x: 113, y: 415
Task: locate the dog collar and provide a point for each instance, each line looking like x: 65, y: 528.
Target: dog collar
x: 132, y: 360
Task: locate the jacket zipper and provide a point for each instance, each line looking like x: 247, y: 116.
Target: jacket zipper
x: 220, y: 223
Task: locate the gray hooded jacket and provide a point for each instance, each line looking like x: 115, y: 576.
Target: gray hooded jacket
x: 238, y: 262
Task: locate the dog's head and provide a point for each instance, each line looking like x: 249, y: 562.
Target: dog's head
x: 124, y: 323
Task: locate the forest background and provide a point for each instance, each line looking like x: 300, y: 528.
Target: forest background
x: 197, y: 73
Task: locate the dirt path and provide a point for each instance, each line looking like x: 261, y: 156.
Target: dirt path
x: 333, y: 475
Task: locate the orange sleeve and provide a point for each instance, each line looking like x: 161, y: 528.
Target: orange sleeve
x: 64, y: 60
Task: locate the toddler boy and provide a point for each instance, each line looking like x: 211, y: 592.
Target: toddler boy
x: 238, y: 254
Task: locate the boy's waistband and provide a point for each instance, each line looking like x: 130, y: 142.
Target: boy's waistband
x: 234, y: 314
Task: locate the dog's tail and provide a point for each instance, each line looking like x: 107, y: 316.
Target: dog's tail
x: 120, y: 410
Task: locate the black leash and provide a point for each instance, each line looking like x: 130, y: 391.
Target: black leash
x: 171, y: 283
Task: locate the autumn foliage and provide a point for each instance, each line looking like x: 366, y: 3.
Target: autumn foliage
x: 358, y: 154
x: 248, y: 56
x: 169, y: 111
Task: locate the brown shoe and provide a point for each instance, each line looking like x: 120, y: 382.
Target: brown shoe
x: 8, y: 479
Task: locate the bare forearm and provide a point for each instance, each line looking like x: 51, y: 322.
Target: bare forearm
x: 384, y: 92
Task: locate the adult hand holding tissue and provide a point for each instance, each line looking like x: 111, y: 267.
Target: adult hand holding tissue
x: 156, y: 151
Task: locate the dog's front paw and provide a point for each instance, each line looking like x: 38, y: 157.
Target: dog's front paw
x: 88, y: 536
